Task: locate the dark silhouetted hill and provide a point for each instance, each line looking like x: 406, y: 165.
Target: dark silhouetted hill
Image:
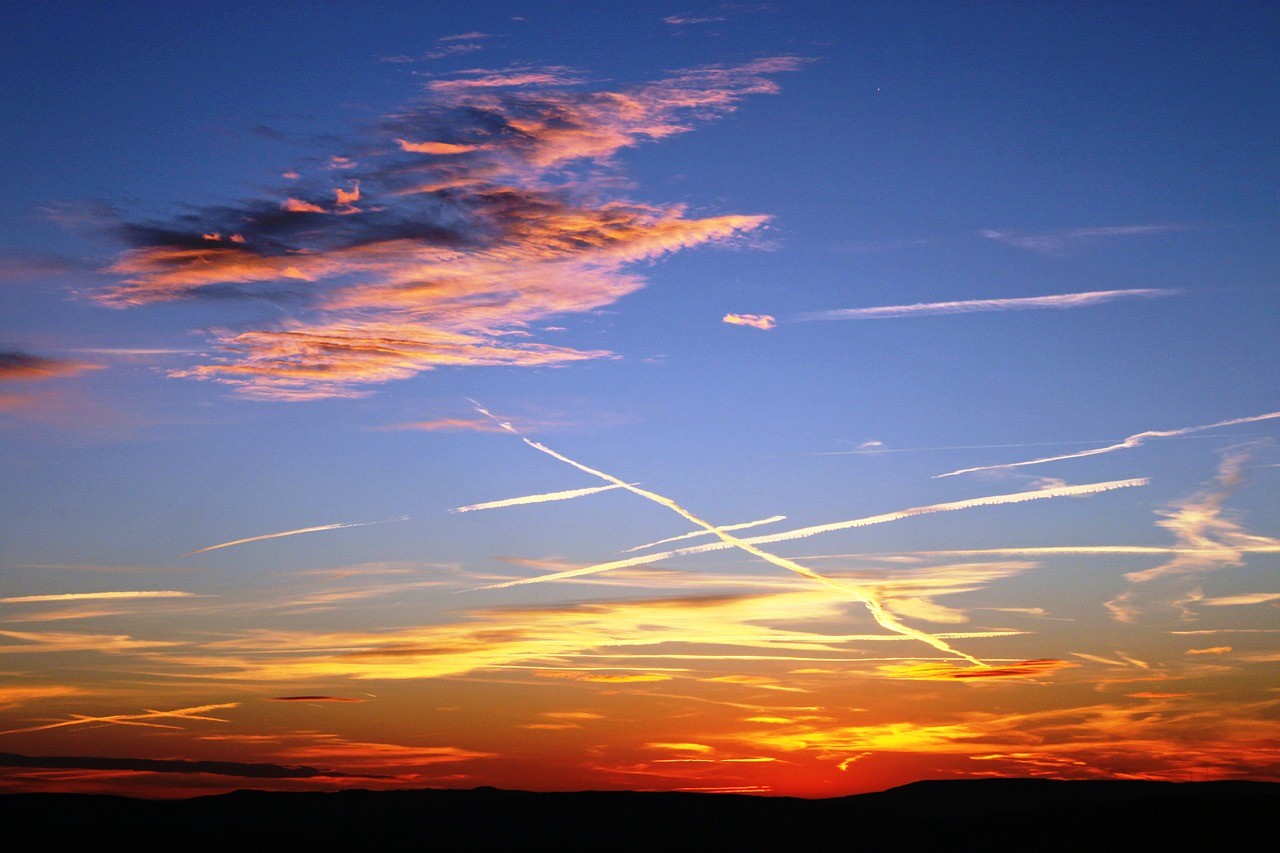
x: 1005, y: 814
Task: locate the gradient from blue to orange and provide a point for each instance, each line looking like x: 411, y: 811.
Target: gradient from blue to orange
x: 326, y: 334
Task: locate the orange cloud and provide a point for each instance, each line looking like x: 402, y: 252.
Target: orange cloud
x: 453, y: 258
x: 943, y: 671
x: 294, y: 205
x: 21, y: 366
x: 756, y: 321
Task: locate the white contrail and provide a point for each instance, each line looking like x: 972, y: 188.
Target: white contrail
x: 536, y: 499
x: 81, y: 596
x: 294, y: 533
x: 882, y: 616
x: 970, y: 306
x: 1130, y: 442
x: 991, y: 500
x: 743, y: 526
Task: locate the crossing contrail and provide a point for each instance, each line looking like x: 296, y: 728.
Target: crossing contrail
x: 882, y: 617
x: 803, y: 532
x: 1132, y: 441
x: 293, y: 533
x: 743, y: 526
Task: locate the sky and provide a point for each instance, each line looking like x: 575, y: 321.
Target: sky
x: 791, y: 399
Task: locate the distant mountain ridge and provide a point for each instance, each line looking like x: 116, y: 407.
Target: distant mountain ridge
x: 1032, y: 814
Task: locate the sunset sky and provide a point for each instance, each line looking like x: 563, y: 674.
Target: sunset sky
x: 782, y: 398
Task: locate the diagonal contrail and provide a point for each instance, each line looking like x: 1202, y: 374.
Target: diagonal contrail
x: 1130, y: 442
x: 536, y: 499
x: 882, y: 617
x: 293, y: 533
x: 743, y: 526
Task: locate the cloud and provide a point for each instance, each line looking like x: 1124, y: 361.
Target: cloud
x: 944, y: 671
x: 1135, y: 440
x: 756, y: 321
x: 1057, y: 241
x: 1208, y: 539
x: 971, y: 306
x: 241, y: 769
x: 485, y: 208
x: 314, y: 699
x: 450, y: 425
x: 14, y: 696
x: 20, y: 366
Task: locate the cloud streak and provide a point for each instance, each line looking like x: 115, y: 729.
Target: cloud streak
x: 1135, y: 440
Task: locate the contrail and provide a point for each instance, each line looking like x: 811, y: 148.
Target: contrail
x: 135, y: 719
x: 294, y: 533
x: 1130, y: 442
x: 536, y: 499
x: 801, y: 533
x: 81, y: 596
x: 770, y: 520
x: 882, y: 617
x: 970, y: 306
x: 1050, y: 550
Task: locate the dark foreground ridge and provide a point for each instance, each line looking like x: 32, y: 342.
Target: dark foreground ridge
x: 1025, y: 814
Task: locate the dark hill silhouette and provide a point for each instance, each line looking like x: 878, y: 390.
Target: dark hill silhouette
x: 1027, y: 814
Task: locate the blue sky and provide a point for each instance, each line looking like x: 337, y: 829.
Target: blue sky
x: 263, y: 264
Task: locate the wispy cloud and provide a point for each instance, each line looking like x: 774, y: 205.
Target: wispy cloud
x: 483, y: 210
x: 1132, y: 441
x: 1208, y: 539
x: 316, y: 529
x: 245, y: 770
x: 1057, y: 241
x: 968, y: 306
x: 21, y: 366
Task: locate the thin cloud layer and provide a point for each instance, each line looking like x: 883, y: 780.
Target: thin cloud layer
x: 466, y: 219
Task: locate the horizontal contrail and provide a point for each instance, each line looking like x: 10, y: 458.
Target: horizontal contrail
x: 743, y: 526
x: 971, y: 306
x: 536, y: 499
x: 1050, y: 550
x: 1130, y: 442
x: 294, y: 533
x: 82, y: 596
x: 991, y: 500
